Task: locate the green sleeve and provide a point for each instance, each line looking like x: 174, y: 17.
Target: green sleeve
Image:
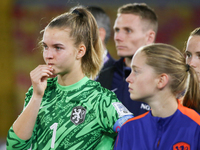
x: 106, y: 143
x: 110, y: 110
x: 107, y: 112
x: 15, y: 143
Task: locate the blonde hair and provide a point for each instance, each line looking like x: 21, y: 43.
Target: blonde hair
x: 190, y: 100
x: 195, y: 32
x: 167, y: 59
x: 83, y: 30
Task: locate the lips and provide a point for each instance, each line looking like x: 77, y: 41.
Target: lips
x: 50, y: 64
x: 121, y: 47
x: 130, y: 88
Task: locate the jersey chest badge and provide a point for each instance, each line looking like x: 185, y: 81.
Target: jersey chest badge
x: 78, y: 115
x: 181, y: 146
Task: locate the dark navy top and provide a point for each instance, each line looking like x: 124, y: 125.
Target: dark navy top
x: 114, y: 79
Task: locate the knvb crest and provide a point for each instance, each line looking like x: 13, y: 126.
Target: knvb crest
x: 181, y: 146
x: 78, y: 115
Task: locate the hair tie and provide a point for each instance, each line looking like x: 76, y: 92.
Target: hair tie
x: 75, y: 11
x: 188, y: 67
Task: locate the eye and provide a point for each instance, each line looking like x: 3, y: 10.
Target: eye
x: 198, y: 55
x: 188, y: 55
x: 128, y: 31
x: 45, y: 47
x: 58, y: 48
x: 116, y: 30
x: 135, y: 71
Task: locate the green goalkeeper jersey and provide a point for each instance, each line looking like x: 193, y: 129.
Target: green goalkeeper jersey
x: 72, y: 117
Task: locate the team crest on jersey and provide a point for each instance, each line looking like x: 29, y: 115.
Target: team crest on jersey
x: 181, y: 146
x: 78, y: 115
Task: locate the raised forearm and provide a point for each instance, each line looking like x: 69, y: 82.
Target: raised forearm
x: 24, y: 125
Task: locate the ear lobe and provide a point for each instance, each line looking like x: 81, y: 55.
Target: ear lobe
x: 81, y: 51
x: 162, y: 81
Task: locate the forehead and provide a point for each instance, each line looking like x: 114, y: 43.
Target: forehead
x: 56, y: 29
x: 193, y: 43
x: 123, y: 20
x: 139, y: 58
x: 56, y: 33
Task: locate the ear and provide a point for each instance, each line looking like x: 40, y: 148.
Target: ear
x: 163, y: 79
x: 81, y: 51
x: 151, y: 35
x: 102, y: 34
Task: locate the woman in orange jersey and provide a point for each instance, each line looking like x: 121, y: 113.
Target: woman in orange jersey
x: 192, y: 52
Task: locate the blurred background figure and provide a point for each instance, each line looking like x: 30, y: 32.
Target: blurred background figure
x: 135, y: 26
x: 104, y: 26
x: 192, y: 53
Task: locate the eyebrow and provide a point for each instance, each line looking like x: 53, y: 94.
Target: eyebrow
x: 43, y: 42
x: 187, y: 51
x: 198, y: 52
x: 133, y: 67
x: 124, y: 28
x: 57, y: 44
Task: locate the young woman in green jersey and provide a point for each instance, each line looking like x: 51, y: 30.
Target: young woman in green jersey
x: 69, y: 111
x: 192, y: 52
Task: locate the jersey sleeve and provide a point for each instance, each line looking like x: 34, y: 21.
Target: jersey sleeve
x: 197, y: 139
x: 106, y: 142
x: 110, y: 110
x: 121, y: 140
x: 13, y: 141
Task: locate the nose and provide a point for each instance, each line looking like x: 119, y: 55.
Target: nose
x: 118, y: 36
x: 128, y: 79
x: 48, y: 54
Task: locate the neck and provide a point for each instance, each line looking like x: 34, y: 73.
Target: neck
x: 104, y: 46
x: 69, y: 79
x: 128, y: 61
x: 164, y: 106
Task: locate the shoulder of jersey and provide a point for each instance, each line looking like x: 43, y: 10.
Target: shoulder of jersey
x: 192, y: 114
x: 137, y: 117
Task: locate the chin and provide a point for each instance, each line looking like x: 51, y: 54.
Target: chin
x: 134, y: 98
x: 121, y: 55
x: 124, y: 55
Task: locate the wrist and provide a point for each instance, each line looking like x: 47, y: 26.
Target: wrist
x: 36, y: 97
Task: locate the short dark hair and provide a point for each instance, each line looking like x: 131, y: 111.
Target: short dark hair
x: 142, y: 10
x: 102, y: 19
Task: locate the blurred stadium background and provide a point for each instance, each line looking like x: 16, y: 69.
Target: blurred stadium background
x: 22, y: 20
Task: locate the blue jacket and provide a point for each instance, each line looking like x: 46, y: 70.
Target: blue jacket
x: 114, y: 79
x: 181, y: 131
